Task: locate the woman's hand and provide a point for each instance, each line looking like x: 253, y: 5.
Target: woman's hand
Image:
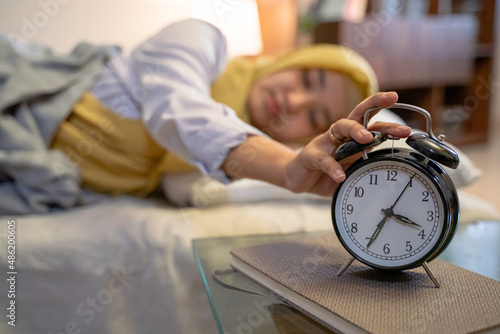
x: 315, y: 170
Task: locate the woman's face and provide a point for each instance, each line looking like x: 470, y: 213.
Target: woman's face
x: 295, y: 104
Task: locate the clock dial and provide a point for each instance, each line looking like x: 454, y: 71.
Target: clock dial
x: 389, y: 214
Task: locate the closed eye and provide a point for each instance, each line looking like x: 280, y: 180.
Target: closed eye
x: 313, y: 120
x: 319, y: 121
x: 306, y: 80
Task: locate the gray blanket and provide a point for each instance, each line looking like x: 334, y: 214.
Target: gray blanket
x: 37, y: 91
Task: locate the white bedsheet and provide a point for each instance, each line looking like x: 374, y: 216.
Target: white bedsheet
x: 126, y: 265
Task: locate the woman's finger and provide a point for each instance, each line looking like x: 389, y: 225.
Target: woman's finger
x: 331, y: 167
x: 346, y: 129
x: 393, y: 129
x: 379, y: 100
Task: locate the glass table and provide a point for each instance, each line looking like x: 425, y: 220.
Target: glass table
x: 475, y: 247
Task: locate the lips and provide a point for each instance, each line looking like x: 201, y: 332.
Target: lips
x: 273, y: 106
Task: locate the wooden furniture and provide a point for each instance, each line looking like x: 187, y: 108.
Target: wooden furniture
x: 278, y: 24
x: 441, y: 60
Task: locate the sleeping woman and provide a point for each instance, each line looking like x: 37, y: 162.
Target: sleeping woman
x: 111, y: 123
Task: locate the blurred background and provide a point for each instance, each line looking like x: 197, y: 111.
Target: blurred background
x: 439, y: 54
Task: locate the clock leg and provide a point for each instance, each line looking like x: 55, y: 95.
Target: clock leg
x: 345, y: 265
x: 431, y: 275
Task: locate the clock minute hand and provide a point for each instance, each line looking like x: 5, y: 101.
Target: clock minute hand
x: 380, y: 225
x: 400, y: 195
x: 405, y: 220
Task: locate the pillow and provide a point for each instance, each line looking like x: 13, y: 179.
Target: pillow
x: 196, y: 189
x: 473, y: 209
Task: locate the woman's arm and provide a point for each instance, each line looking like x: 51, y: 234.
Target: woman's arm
x: 173, y: 71
x: 313, y: 169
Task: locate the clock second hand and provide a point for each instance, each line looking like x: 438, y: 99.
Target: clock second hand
x: 387, y: 214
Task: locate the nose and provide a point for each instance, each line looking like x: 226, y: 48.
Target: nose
x: 299, y: 102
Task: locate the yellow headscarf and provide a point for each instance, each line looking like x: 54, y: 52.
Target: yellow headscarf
x: 233, y: 86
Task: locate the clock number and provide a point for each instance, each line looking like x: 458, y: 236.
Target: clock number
x: 430, y: 216
x: 422, y: 234
x: 408, y: 246
x: 387, y: 250
x: 354, y: 228
x: 373, y: 179
x: 391, y: 175
x: 350, y: 209
x: 359, y: 191
x: 426, y: 196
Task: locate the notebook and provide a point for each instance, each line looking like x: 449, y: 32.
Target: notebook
x: 302, y: 272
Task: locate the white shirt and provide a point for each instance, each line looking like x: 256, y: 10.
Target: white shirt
x: 166, y: 82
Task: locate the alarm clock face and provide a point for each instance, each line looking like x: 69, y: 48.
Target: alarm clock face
x: 390, y: 213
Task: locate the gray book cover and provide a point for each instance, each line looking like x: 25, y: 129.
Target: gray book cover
x: 303, y: 273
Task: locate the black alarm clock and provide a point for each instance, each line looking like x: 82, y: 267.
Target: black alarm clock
x: 397, y: 208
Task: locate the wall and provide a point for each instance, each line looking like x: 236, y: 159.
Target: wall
x: 62, y: 23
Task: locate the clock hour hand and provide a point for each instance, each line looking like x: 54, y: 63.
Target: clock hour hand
x: 405, y: 220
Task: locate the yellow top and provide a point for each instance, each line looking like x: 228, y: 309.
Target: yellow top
x: 118, y: 156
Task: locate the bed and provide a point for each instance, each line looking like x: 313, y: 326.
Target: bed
x: 125, y: 265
